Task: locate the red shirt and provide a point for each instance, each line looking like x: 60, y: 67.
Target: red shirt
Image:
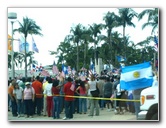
x: 82, y: 90
x: 38, y: 88
x: 67, y: 91
x: 55, y: 91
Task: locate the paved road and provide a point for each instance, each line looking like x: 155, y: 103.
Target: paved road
x: 104, y: 116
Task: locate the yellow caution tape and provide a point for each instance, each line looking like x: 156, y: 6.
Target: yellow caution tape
x: 98, y: 98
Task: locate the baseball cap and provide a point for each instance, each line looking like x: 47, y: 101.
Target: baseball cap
x: 27, y: 83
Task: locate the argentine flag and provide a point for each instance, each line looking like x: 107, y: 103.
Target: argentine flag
x: 136, y: 76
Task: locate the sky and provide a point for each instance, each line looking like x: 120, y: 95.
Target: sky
x: 57, y: 22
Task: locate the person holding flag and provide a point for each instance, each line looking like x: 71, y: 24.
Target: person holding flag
x: 69, y: 90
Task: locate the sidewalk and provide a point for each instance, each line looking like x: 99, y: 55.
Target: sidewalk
x: 104, y: 116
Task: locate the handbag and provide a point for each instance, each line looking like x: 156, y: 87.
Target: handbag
x: 96, y: 92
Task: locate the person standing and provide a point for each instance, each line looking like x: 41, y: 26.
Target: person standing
x: 94, y: 103
x: 18, y: 94
x: 101, y: 83
x: 48, y: 93
x: 69, y: 90
x: 108, y: 93
x: 76, y: 100
x: 136, y: 96
x: 37, y: 85
x: 45, y: 82
x: 82, y: 101
x: 62, y: 81
x: 115, y: 83
x: 56, y: 99
x: 29, y: 97
x: 13, y: 100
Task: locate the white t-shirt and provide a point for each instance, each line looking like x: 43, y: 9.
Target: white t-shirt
x: 92, y: 85
x: 18, y: 92
x: 119, y: 89
x: 48, y: 90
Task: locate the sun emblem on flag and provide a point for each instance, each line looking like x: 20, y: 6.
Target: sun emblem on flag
x: 136, y: 74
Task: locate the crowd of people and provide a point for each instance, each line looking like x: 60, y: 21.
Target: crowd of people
x: 50, y: 96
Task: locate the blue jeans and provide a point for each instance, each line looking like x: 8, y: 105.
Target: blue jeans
x: 20, y: 107
x: 56, y: 107
x: 9, y: 101
x: 14, y: 107
x: 101, y: 102
x: 69, y: 105
x: 76, y: 105
x: 82, y: 104
x: 61, y: 102
x: 136, y: 104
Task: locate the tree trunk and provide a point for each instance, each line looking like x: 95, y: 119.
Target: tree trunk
x: 95, y: 51
x: 77, y: 58
x: 25, y: 59
x: 84, y: 54
x: 124, y: 41
x: 110, y: 47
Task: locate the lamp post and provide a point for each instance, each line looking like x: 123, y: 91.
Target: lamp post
x: 12, y: 16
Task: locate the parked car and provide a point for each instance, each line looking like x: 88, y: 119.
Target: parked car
x: 149, y: 100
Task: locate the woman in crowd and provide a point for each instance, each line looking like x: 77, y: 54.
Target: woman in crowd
x: 56, y: 99
x: 29, y: 97
x: 82, y: 101
x: 18, y: 94
x: 48, y: 92
x: 92, y: 86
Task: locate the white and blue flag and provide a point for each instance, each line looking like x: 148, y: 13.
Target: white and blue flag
x: 136, y: 76
x: 92, y: 67
x: 64, y: 69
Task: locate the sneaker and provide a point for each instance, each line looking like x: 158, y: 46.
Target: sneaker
x: 116, y: 112
x: 112, y: 109
x: 65, y: 118
x: 108, y: 110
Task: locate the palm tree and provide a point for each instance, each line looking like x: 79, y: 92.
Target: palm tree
x: 110, y: 23
x: 144, y: 44
x: 86, y: 37
x: 95, y: 30
x: 31, y: 59
x: 125, y: 19
x: 152, y: 18
x: 18, y: 57
x: 76, y: 37
x: 28, y: 27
